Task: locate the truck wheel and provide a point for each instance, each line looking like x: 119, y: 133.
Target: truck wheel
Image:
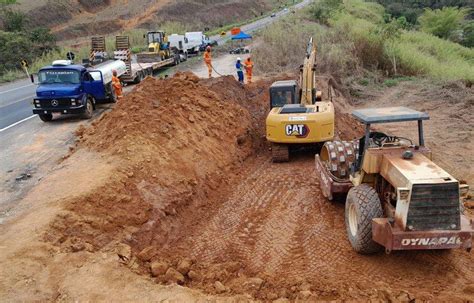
x: 46, y: 117
x: 138, y: 78
x: 362, y: 205
x: 89, y: 109
x: 113, y: 95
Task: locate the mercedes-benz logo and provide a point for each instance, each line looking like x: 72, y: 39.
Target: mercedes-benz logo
x: 54, y: 102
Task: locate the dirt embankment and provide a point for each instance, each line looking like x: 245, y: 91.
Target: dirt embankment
x: 209, y: 13
x: 71, y: 19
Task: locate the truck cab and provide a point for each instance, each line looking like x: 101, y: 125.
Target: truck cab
x: 67, y: 88
x: 179, y: 43
x: 195, y: 40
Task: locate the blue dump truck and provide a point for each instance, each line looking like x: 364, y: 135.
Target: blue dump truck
x: 67, y: 88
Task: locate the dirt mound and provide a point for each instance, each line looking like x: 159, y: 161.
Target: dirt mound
x: 180, y: 140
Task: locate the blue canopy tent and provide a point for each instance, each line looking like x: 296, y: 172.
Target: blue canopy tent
x: 241, y: 36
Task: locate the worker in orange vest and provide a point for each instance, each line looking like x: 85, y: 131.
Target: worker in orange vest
x: 248, y: 69
x: 207, y: 60
x: 117, y: 85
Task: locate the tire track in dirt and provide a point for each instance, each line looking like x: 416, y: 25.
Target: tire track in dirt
x: 278, y: 225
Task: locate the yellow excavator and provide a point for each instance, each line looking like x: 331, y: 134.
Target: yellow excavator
x: 158, y: 48
x: 298, y: 115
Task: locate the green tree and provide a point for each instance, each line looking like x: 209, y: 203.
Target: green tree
x: 443, y: 22
x: 13, y: 21
x: 13, y: 48
x: 43, y: 39
x: 468, y: 34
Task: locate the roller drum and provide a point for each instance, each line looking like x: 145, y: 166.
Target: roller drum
x: 338, y: 156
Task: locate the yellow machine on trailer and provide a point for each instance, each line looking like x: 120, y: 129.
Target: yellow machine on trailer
x: 158, y: 48
x: 298, y: 115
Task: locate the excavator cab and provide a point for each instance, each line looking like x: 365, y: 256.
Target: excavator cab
x: 284, y: 92
x: 156, y: 41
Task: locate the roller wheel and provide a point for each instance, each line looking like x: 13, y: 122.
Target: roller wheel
x: 362, y: 205
x: 280, y: 153
x: 338, y: 157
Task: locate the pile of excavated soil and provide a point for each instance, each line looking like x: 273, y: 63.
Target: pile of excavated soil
x: 179, y: 141
x: 196, y: 201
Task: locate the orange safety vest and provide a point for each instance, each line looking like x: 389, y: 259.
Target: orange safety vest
x: 116, y: 82
x: 207, y: 57
x: 248, y: 65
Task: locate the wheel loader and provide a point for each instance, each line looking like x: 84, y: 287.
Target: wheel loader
x: 158, y: 48
x: 298, y: 116
x: 397, y: 198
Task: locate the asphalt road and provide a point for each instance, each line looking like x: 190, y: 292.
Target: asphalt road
x: 15, y: 102
x: 16, y: 97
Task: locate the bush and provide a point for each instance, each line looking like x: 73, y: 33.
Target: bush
x: 43, y: 39
x: 323, y: 10
x: 468, y: 34
x: 13, y: 21
x: 390, y: 82
x: 442, y: 22
x: 367, y: 42
x: 13, y: 48
x: 284, y: 45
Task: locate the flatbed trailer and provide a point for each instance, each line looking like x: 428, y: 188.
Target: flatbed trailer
x: 136, y: 72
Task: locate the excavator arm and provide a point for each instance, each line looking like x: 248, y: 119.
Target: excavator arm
x: 307, y: 75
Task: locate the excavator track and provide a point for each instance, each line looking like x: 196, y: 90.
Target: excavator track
x: 280, y: 152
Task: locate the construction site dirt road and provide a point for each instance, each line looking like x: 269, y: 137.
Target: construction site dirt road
x: 175, y: 187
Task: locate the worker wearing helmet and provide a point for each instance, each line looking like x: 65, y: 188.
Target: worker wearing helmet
x: 240, y: 73
x: 117, y: 85
x: 207, y: 60
x: 248, y: 69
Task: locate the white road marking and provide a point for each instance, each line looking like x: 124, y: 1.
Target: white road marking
x: 16, y: 123
x: 10, y: 90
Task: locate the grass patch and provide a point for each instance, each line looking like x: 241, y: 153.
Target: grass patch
x: 422, y: 53
x: 283, y: 45
x: 390, y: 82
x: 12, y: 75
